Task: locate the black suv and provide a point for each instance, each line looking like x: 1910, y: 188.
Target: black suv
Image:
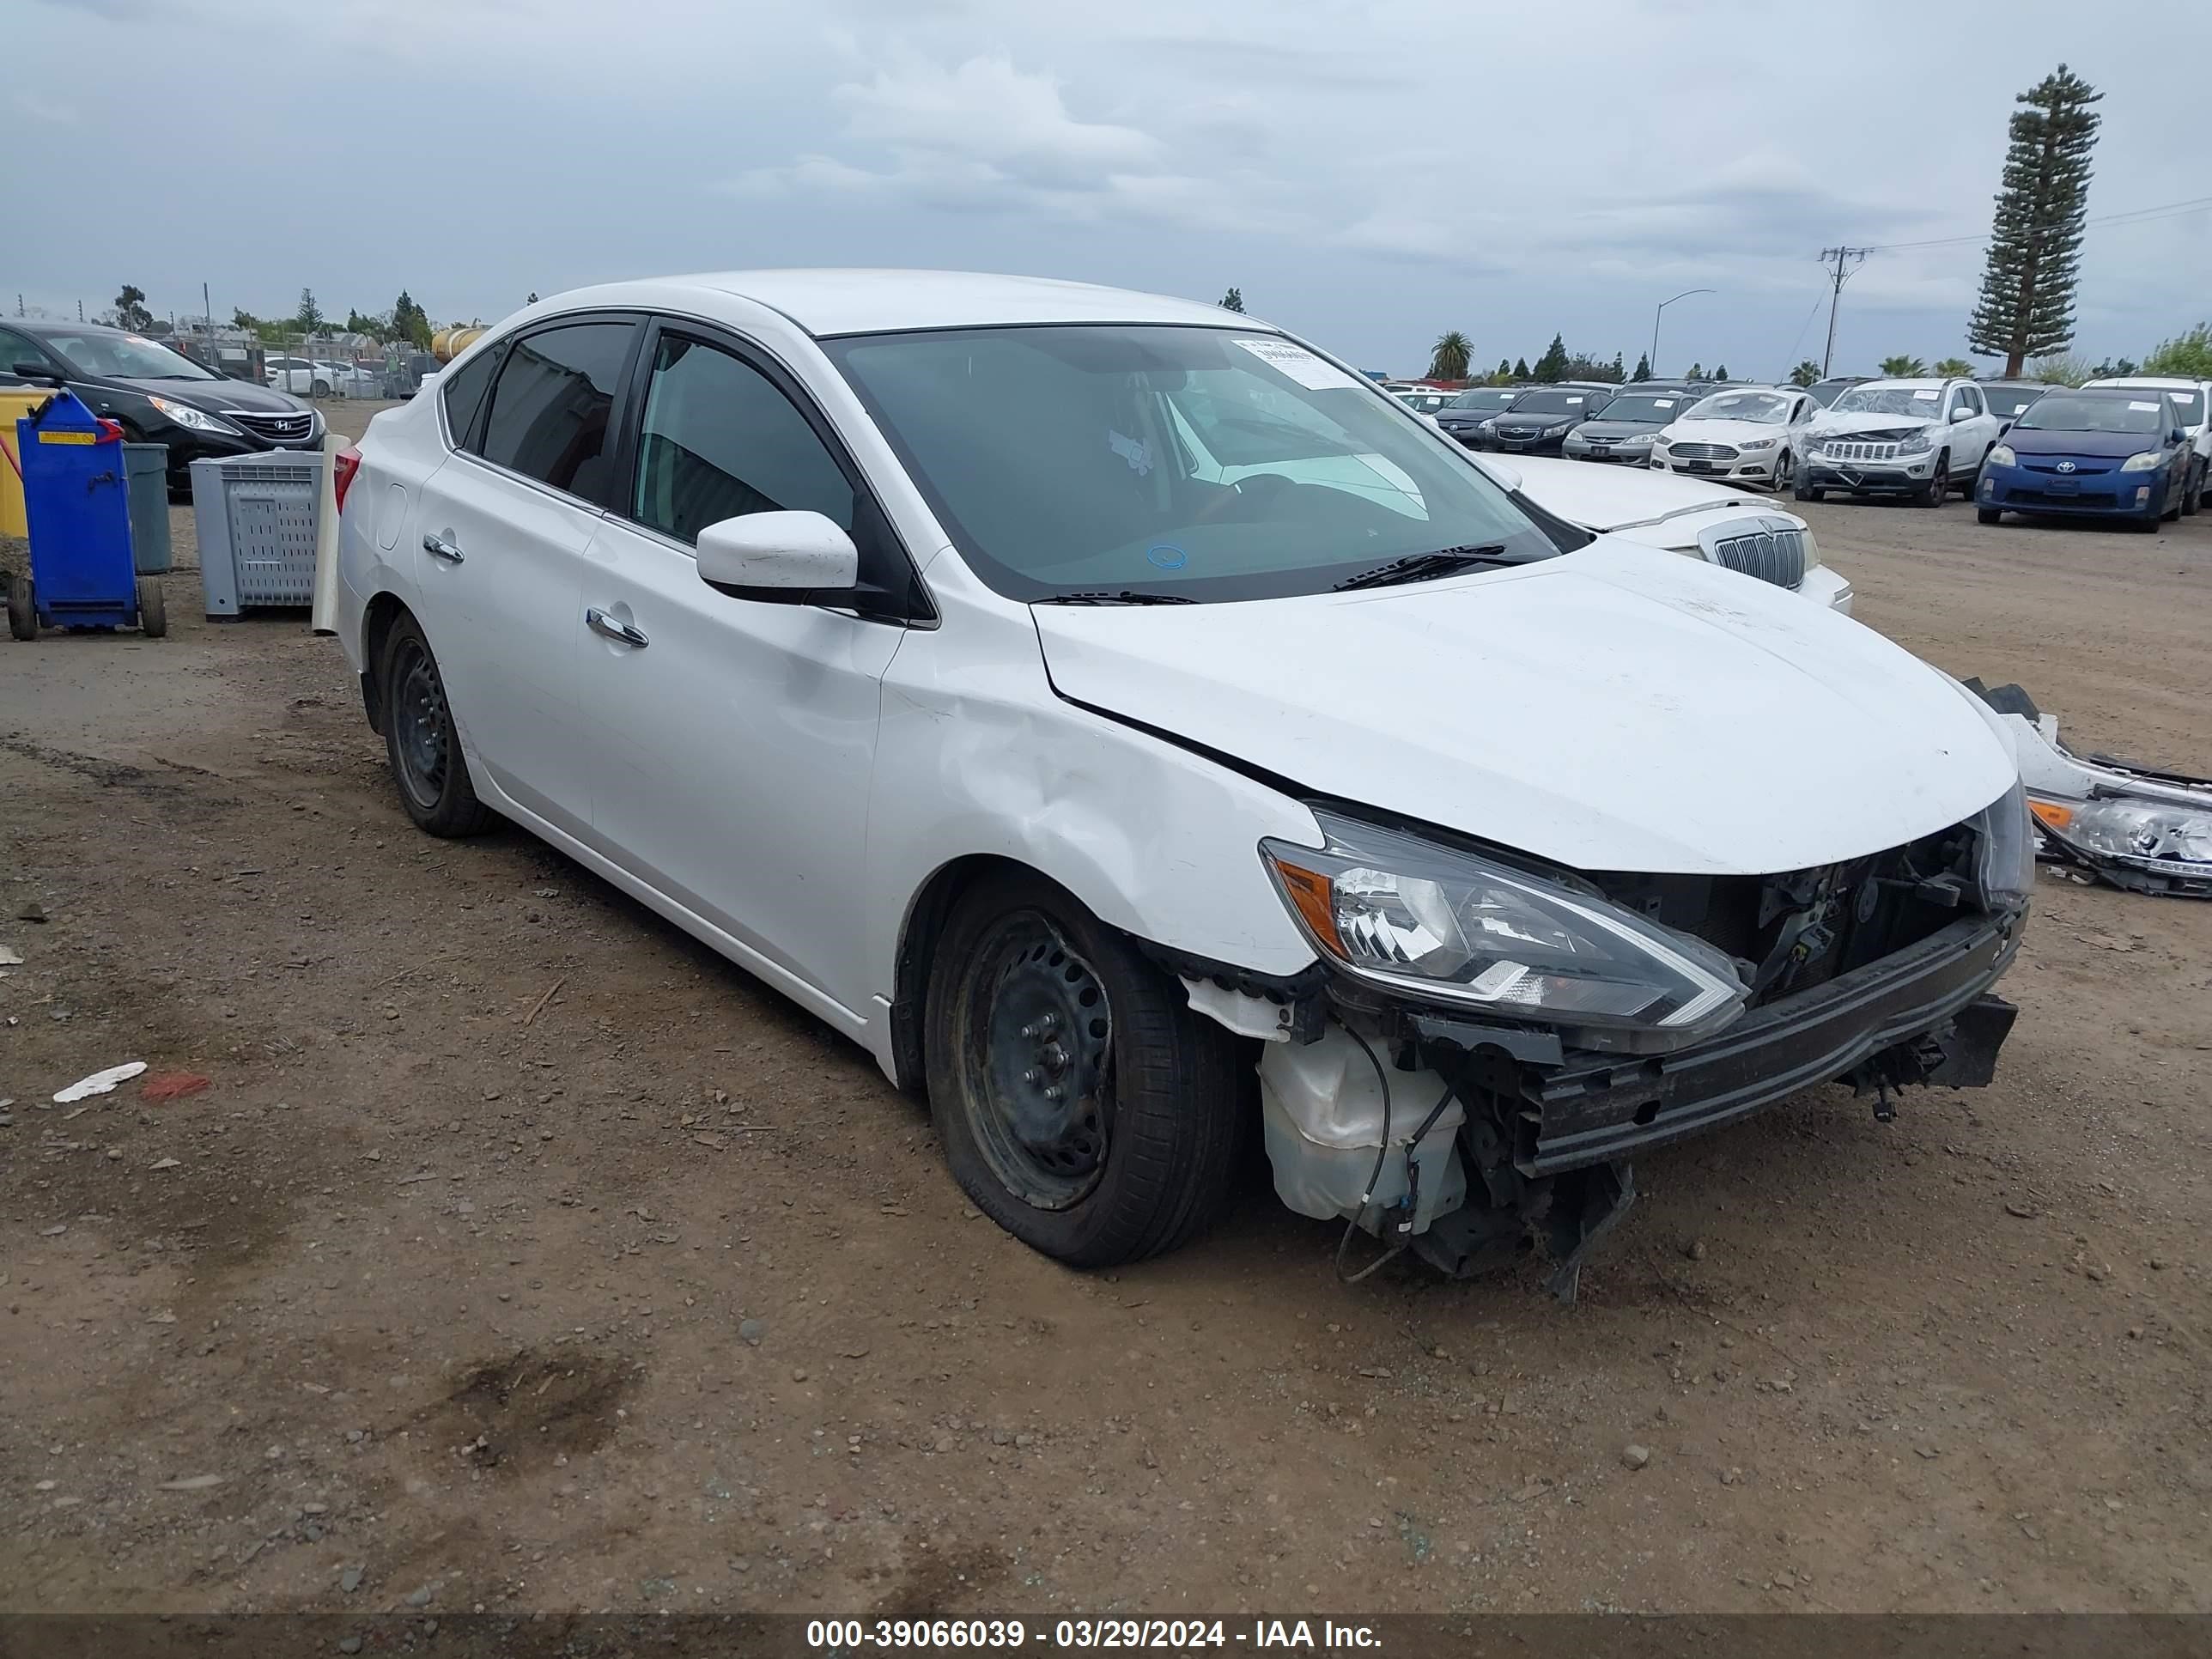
x: 158, y: 396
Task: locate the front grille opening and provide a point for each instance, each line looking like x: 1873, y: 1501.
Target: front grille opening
x: 1836, y: 917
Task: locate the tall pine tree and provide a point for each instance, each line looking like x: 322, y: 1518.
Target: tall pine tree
x: 2027, y: 304
x: 1643, y: 366
x: 1552, y: 367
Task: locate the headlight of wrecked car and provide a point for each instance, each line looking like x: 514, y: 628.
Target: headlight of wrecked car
x: 2004, y: 863
x: 184, y: 415
x: 1399, y: 910
x: 1917, y: 443
x: 2141, y: 833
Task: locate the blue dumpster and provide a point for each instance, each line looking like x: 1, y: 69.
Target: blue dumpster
x: 77, y: 507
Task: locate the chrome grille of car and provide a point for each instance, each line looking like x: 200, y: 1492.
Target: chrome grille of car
x: 1772, y: 555
x: 284, y: 428
x: 1837, y: 450
x: 1703, y: 452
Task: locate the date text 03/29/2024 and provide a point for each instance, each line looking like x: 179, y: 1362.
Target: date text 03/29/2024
x: 843, y: 1636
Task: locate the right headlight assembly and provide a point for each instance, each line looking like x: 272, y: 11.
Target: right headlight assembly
x: 1399, y: 910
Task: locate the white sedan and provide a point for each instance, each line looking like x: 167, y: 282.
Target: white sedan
x: 1753, y: 434
x: 961, y: 656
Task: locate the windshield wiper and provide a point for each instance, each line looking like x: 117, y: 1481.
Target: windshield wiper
x: 1125, y: 596
x: 1422, y: 567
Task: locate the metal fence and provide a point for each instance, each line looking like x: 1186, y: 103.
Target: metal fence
x: 310, y: 365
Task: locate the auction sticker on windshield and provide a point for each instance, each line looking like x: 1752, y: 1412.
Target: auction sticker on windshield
x: 1301, y: 364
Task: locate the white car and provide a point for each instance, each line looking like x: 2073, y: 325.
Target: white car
x: 2195, y: 399
x: 1747, y: 435
x: 1687, y: 516
x: 1919, y: 438
x: 902, y: 635
x: 298, y: 375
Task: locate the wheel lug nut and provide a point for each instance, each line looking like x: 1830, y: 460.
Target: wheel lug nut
x: 1030, y: 1076
x: 1053, y: 1091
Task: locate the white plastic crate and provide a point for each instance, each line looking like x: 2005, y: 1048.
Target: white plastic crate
x: 255, y: 517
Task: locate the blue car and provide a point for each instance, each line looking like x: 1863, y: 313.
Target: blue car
x: 2120, y: 453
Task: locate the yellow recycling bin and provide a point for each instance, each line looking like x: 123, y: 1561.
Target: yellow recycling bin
x: 16, y: 402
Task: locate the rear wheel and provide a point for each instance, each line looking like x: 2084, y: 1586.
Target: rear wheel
x: 23, y: 608
x: 427, y: 762
x: 1083, y: 1105
x: 1938, y: 488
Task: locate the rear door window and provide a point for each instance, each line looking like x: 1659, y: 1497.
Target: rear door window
x: 463, y: 390
x: 552, y: 406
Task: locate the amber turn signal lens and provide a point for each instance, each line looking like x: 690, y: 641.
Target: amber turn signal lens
x: 2051, y: 815
x: 1310, y: 893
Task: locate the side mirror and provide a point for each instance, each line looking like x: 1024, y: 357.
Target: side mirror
x: 1958, y: 415
x: 2178, y: 436
x: 777, y: 558
x: 37, y: 374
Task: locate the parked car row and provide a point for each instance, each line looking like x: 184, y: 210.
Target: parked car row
x: 320, y: 377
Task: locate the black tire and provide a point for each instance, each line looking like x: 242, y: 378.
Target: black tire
x: 23, y: 608
x: 1939, y: 483
x: 153, y: 609
x: 2143, y: 526
x: 427, y: 763
x: 1807, y: 492
x: 318, y: 389
x: 2192, y: 498
x: 1785, y: 466
x: 1988, y: 514
x: 1143, y: 1155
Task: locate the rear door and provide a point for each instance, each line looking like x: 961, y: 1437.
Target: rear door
x: 731, y: 742
x: 504, y: 523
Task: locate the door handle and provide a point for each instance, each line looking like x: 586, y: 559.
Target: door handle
x: 440, y: 548
x: 614, y: 627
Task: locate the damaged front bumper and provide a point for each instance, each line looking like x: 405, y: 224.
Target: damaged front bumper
x: 1531, y: 1141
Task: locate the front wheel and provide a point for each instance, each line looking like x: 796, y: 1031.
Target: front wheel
x: 1083, y: 1104
x: 1809, y: 492
x: 1784, y: 466
x: 23, y: 608
x: 427, y: 762
x: 1988, y: 514
x: 1938, y: 481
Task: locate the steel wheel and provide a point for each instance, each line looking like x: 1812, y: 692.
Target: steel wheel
x: 423, y: 725
x: 1938, y: 481
x: 1039, y: 1032
x: 1785, y: 467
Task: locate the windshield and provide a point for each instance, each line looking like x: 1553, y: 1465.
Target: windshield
x: 123, y: 357
x: 1650, y: 411
x: 1763, y: 408
x: 2062, y: 411
x: 2185, y: 398
x: 1490, y: 398
x: 1189, y: 461
x: 2007, y: 401
x: 1427, y: 402
x: 1825, y: 392
x: 1923, y: 402
x: 1554, y: 403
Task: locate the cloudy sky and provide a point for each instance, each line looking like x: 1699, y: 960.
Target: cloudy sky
x: 1370, y: 174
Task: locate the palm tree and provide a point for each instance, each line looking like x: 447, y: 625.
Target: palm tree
x: 1448, y: 361
x: 1903, y: 368
x: 1807, y: 372
x: 1953, y: 368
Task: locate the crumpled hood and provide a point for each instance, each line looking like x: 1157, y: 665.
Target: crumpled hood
x: 1606, y: 709
x: 1827, y: 426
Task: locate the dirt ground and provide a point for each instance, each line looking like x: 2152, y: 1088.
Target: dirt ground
x: 520, y: 1254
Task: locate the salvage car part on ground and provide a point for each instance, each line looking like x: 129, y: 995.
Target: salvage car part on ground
x: 2137, y: 828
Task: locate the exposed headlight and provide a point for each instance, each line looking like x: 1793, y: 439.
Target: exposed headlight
x: 1758, y: 443
x: 2004, y: 865
x: 1917, y: 443
x: 184, y: 415
x: 1556, y: 431
x: 2003, y: 456
x: 1399, y: 910
x: 1487, y: 426
x: 1641, y: 438
x: 2149, y: 461
x: 2146, y: 835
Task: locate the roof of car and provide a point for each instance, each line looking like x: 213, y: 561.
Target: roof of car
x: 49, y: 326
x: 861, y: 301
x: 1911, y: 382
x: 2164, y: 382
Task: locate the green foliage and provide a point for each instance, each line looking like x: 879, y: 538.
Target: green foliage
x: 1952, y: 368
x: 309, y: 317
x: 1504, y: 373
x: 2190, y: 355
x: 1696, y: 372
x: 1902, y: 369
x: 1552, y: 367
x: 1806, y: 373
x: 2025, y: 308
x: 130, y: 308
x: 2060, y: 369
x: 1642, y: 367
x: 1721, y: 373
x: 410, y: 322
x: 2112, y: 365
x: 1520, y: 368
x: 1234, y: 300
x: 1448, y: 360
x: 377, y: 328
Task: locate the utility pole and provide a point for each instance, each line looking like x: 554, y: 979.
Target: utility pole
x: 1848, y: 259
x: 207, y: 310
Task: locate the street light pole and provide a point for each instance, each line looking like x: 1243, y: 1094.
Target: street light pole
x: 1659, y: 310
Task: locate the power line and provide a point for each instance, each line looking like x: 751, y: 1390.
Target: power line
x: 2142, y: 216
